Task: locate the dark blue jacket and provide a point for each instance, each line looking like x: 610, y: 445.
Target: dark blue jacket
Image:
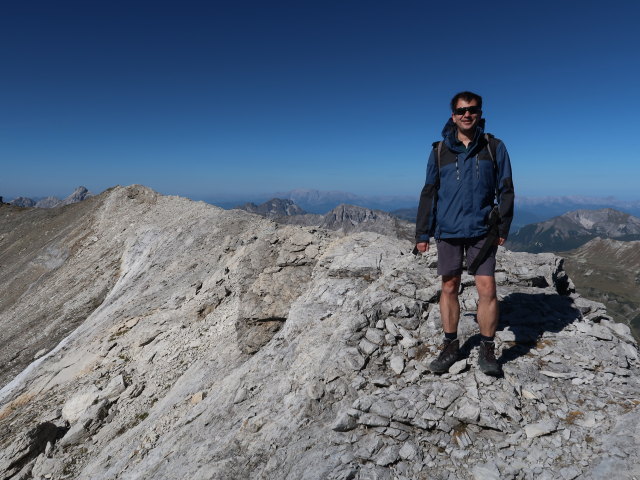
x: 457, y: 197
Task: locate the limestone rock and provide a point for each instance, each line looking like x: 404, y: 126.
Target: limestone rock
x: 458, y: 367
x: 86, y: 424
x: 448, y: 394
x: 26, y: 447
x: 486, y: 471
x: 467, y: 411
x: 198, y: 397
x: 344, y: 423
x: 311, y: 346
x: 397, y: 364
x: 77, y: 405
x: 114, y: 388
x: 543, y: 427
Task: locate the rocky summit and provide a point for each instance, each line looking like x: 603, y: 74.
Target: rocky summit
x: 213, y: 344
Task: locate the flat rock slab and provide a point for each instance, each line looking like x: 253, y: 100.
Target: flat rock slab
x: 543, y: 427
x: 459, y: 367
x: 486, y: 471
x: 79, y: 403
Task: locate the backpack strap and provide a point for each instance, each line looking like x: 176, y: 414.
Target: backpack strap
x: 492, y: 145
x: 489, y: 242
x: 438, y: 148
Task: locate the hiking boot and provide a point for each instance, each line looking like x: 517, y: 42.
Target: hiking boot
x: 447, y: 357
x: 487, y: 359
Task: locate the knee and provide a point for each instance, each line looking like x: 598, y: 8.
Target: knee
x: 450, y: 286
x: 486, y: 287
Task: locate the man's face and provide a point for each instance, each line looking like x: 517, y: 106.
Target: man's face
x: 466, y: 121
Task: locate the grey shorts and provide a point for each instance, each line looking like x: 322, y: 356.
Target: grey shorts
x: 451, y: 250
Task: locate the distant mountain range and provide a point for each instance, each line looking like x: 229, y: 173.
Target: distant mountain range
x: 560, y: 203
x: 561, y: 233
x: 344, y: 218
x: 574, y: 229
x: 79, y: 194
x: 527, y: 209
x: 534, y: 210
x: 276, y: 207
x: 318, y: 201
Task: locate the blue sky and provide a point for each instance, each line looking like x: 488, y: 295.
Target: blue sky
x: 208, y: 99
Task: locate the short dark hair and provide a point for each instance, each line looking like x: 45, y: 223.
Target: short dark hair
x: 467, y: 97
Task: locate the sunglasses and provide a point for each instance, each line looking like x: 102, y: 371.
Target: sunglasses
x: 472, y: 110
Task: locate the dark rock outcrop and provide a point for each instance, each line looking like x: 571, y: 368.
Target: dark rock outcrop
x: 23, y: 202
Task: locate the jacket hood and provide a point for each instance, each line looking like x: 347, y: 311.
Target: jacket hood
x: 449, y: 132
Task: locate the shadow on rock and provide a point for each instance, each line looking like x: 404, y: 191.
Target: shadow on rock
x: 525, y: 318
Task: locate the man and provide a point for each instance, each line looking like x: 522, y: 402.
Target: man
x: 466, y: 173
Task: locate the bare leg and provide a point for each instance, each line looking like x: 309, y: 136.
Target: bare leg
x: 487, y: 305
x: 449, y: 306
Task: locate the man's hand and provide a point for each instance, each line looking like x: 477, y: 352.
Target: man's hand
x: 499, y: 241
x: 422, y: 247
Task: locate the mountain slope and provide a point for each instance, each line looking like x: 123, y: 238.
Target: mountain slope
x: 574, y: 229
x: 609, y: 271
x: 231, y: 346
x: 34, y: 244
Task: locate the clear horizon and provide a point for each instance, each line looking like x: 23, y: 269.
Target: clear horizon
x: 269, y: 195
x: 205, y: 99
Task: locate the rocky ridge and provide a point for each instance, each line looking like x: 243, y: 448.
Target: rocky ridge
x: 230, y: 346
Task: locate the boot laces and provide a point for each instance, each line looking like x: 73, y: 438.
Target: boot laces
x: 447, y: 348
x: 489, y: 351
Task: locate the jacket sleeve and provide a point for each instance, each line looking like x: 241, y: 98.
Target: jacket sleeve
x: 425, y: 221
x: 504, y: 190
